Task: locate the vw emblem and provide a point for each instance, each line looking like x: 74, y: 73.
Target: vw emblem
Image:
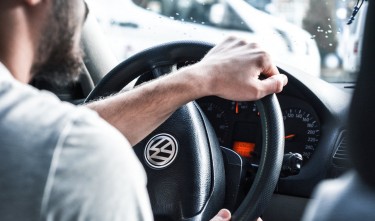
x: 161, y: 151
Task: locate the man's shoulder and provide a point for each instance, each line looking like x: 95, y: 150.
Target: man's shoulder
x: 35, y: 121
x: 27, y: 111
x: 33, y: 125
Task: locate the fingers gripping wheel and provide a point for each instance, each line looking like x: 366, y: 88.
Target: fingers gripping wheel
x: 192, y: 187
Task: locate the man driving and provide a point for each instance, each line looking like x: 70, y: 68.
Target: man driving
x: 63, y: 162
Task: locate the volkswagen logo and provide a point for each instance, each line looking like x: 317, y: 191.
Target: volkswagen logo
x: 161, y: 151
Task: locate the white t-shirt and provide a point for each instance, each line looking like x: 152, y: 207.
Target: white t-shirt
x: 62, y: 162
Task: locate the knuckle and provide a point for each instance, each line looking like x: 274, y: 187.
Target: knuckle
x: 263, y: 59
x: 241, y: 42
x: 231, y: 38
x: 254, y: 45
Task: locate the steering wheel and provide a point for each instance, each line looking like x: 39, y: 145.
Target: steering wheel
x: 182, y: 157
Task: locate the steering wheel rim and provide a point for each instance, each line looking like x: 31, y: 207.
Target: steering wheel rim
x: 183, y: 52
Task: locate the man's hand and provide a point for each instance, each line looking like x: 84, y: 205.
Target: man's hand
x: 233, y: 67
x: 222, y: 215
x: 225, y: 215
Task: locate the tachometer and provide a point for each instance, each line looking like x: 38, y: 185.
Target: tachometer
x: 302, y: 132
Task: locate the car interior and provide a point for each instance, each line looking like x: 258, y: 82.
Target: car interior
x: 310, y: 132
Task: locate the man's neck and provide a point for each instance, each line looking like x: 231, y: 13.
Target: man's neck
x: 19, y: 70
x: 16, y: 43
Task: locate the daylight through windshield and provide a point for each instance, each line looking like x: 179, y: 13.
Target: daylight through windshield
x: 308, y: 34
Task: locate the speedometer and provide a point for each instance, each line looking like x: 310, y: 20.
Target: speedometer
x: 302, y: 132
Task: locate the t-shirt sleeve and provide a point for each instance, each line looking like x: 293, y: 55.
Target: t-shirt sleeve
x: 94, y: 175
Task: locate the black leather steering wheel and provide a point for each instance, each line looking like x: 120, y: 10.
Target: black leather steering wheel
x: 182, y: 158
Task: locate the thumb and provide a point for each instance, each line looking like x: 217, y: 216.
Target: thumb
x: 273, y: 84
x: 222, y: 215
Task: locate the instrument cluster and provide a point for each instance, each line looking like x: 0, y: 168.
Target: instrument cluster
x: 237, y: 125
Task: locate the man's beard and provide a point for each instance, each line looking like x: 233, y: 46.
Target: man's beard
x: 62, y: 67
x: 58, y: 61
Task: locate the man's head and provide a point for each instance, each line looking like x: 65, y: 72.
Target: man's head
x: 58, y: 56
x: 40, y: 38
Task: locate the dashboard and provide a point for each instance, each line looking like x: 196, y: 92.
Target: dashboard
x: 237, y: 125
x: 314, y: 114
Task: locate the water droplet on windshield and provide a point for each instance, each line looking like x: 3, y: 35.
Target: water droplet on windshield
x: 326, y: 36
x: 329, y: 31
x: 171, y: 17
x: 202, y: 23
x: 330, y: 44
x: 313, y: 36
x: 177, y: 13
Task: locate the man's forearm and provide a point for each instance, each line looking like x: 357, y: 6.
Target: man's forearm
x: 137, y: 112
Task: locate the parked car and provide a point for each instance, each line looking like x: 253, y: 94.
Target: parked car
x: 350, y: 47
x: 300, y: 43
x: 192, y: 20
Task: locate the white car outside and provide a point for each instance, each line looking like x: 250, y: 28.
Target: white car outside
x: 350, y: 47
x: 132, y: 28
x: 302, y: 50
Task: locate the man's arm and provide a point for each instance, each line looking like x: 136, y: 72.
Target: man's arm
x: 230, y: 70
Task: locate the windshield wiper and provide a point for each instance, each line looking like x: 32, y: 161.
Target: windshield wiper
x: 355, y: 11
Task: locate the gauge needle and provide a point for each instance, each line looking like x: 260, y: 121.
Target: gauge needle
x: 290, y: 136
x: 237, y: 110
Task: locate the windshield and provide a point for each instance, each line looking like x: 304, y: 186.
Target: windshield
x: 310, y: 35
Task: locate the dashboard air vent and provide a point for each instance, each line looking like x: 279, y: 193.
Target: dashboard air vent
x: 341, y: 156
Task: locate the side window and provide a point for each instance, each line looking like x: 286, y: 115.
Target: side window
x: 203, y: 12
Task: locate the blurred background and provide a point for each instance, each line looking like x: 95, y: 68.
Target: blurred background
x: 326, y: 21
x: 311, y: 35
